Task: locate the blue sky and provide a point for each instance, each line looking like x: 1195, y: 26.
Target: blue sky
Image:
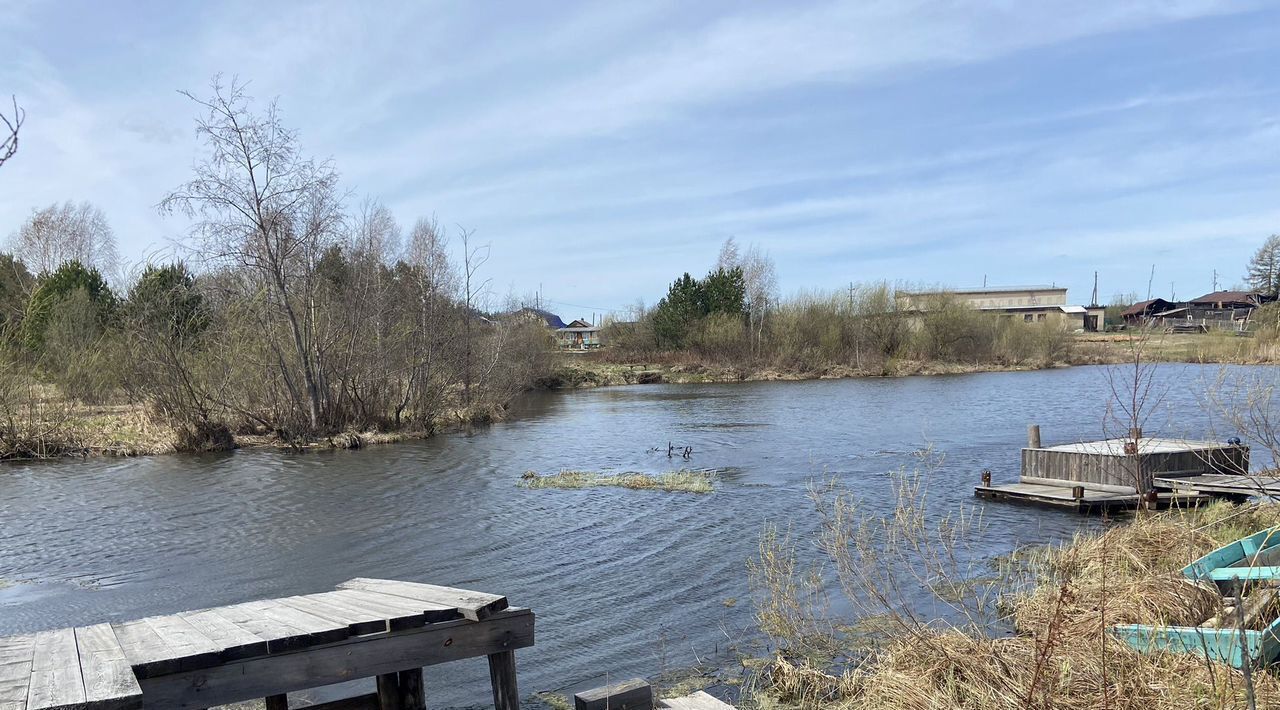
x: 604, y: 148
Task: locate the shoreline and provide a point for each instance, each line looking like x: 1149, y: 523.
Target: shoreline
x: 127, y: 430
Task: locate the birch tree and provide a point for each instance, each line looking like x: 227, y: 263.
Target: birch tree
x: 259, y: 205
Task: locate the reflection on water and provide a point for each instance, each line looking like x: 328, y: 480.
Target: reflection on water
x: 623, y: 581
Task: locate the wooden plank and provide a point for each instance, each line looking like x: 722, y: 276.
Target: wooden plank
x: 359, y: 657
x: 402, y: 611
x: 359, y: 621
x: 283, y: 628
x: 634, y: 694
x: 15, y: 671
x: 55, y: 671
x: 235, y: 641
x: 701, y: 700
x: 475, y: 606
x: 165, y: 644
x: 109, y: 681
x: 279, y: 636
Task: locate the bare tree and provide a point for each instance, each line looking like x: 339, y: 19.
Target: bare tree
x: 260, y: 205
x: 9, y: 143
x: 473, y: 289
x: 66, y: 232
x: 760, y: 279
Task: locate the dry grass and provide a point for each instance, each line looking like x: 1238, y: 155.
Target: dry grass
x: 682, y: 481
x: 1062, y: 655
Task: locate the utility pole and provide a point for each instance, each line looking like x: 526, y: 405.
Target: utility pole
x: 1215, y: 280
x: 1173, y: 295
x: 850, y: 296
x: 1151, y: 279
x: 1094, y: 302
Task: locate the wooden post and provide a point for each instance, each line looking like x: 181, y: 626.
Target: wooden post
x: 389, y: 692
x: 278, y: 702
x: 1077, y: 492
x: 1135, y: 433
x: 412, y: 695
x: 502, y: 674
x: 1033, y: 436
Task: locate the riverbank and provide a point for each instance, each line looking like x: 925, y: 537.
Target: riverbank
x: 604, y: 368
x: 56, y: 427
x: 1060, y: 654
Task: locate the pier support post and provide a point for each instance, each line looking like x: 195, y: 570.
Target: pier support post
x: 1033, y: 436
x: 412, y: 695
x: 277, y: 702
x: 389, y: 692
x: 502, y: 674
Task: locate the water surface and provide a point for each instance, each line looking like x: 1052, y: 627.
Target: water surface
x: 623, y: 582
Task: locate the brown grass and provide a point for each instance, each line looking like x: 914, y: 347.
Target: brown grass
x: 1061, y: 656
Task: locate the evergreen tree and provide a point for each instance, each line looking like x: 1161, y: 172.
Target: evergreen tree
x: 70, y: 280
x: 1263, y: 273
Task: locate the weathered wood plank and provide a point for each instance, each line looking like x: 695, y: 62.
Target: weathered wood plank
x: 109, y: 681
x: 361, y: 657
x: 397, y: 607
x: 55, y: 671
x: 473, y: 605
x: 165, y: 644
x: 235, y: 641
x: 283, y: 628
x: 15, y: 671
x: 360, y: 621
x: 634, y: 694
x: 700, y: 700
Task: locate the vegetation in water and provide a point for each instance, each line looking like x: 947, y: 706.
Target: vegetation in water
x: 681, y: 481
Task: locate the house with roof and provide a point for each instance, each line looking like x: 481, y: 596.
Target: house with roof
x: 1220, y: 310
x: 1031, y: 304
x: 1144, y: 312
x: 579, y: 335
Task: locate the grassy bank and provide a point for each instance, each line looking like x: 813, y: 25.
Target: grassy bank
x: 606, y: 368
x: 682, y: 481
x: 1060, y: 654
x: 51, y: 426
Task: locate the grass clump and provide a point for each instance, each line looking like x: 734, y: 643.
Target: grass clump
x: 681, y: 481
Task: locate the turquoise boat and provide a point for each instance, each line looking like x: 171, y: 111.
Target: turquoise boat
x: 1249, y: 559
x: 1216, y: 644
x: 1231, y: 568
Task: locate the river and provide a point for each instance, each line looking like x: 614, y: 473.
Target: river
x: 623, y: 582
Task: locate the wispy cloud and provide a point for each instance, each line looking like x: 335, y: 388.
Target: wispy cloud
x: 605, y: 148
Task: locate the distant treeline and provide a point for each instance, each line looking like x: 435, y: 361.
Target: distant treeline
x: 733, y: 316
x: 292, y: 314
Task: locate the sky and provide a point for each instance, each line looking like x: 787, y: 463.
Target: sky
x: 602, y: 149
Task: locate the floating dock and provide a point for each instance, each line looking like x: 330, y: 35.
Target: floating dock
x: 1130, y: 472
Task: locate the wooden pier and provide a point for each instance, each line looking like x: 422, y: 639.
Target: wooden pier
x: 367, y: 628
x: 1129, y: 472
